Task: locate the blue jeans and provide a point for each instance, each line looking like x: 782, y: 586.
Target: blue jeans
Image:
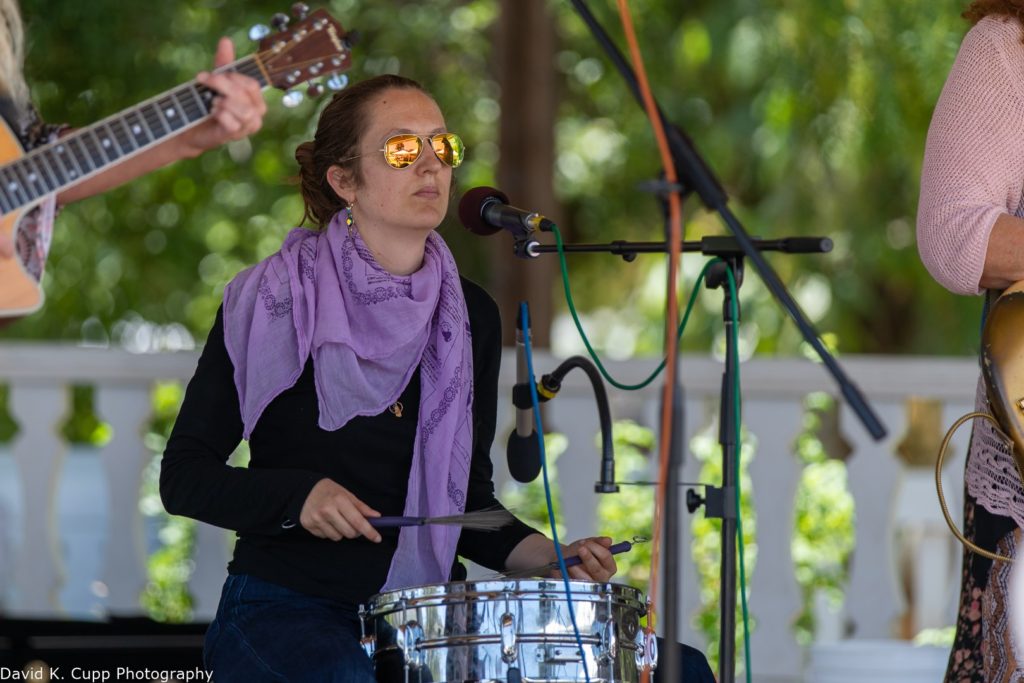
x: 265, y: 632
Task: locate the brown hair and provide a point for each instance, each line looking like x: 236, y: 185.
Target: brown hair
x: 338, y: 132
x: 979, y: 9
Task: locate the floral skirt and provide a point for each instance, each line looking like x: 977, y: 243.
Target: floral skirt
x: 984, y: 651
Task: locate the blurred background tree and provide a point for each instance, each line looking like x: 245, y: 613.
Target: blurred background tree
x: 813, y: 115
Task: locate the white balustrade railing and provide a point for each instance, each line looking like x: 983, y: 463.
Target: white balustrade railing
x: 44, y: 487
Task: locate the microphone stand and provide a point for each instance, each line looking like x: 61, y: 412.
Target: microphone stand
x: 718, y: 502
x: 697, y: 177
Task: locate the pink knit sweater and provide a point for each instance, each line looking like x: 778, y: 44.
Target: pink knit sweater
x: 974, y: 159
x: 974, y: 172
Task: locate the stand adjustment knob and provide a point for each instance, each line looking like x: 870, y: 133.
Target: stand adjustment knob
x: 693, y: 500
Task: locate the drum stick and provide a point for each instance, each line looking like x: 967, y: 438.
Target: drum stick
x: 574, y: 560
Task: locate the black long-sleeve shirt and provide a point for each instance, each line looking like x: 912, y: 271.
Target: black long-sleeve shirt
x: 290, y: 453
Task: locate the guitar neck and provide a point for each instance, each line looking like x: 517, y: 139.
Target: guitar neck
x: 73, y: 158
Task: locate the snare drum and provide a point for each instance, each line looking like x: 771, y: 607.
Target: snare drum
x: 506, y: 630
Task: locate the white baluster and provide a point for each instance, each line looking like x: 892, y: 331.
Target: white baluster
x: 873, y: 599
x: 37, y: 406
x: 953, y: 490
x: 697, y: 412
x: 11, y: 522
x: 83, y: 513
x: 574, y: 414
x: 774, y: 597
x: 210, y: 555
x: 127, y: 409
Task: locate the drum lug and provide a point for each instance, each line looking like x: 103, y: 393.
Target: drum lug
x: 409, y: 639
x: 508, y: 638
x: 646, y: 650
x: 609, y: 649
x: 368, y: 643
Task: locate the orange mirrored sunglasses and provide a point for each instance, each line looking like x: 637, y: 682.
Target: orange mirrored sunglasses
x: 402, y: 151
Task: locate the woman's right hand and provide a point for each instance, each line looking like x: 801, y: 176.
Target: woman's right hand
x: 332, y: 511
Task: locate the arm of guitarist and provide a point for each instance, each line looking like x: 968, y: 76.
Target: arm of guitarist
x: 238, y: 112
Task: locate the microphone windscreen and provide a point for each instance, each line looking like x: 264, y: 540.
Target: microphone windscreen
x: 523, y: 453
x: 471, y: 208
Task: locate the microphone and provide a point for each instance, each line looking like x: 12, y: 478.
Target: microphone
x: 522, y: 451
x: 485, y: 211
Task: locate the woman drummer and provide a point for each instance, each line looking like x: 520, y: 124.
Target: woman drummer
x: 363, y: 371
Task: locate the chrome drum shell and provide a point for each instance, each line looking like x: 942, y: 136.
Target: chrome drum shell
x: 506, y: 630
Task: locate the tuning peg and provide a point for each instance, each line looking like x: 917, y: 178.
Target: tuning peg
x: 300, y: 10
x: 315, y: 90
x: 259, y: 32
x: 279, y: 21
x: 292, y: 99
x: 337, y: 81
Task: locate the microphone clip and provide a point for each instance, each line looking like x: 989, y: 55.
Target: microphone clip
x: 521, y: 394
x: 525, y: 247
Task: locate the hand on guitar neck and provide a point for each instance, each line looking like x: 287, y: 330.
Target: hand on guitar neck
x: 237, y: 112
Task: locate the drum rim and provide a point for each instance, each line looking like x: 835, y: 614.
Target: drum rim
x: 620, y: 592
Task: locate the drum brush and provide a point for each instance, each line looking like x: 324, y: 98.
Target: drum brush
x: 570, y: 561
x: 488, y: 519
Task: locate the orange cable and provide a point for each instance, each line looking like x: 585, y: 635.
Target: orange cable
x: 672, y: 317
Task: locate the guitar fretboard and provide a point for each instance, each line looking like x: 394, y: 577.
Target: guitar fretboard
x: 63, y: 163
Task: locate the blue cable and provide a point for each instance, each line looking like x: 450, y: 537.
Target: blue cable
x: 524, y: 315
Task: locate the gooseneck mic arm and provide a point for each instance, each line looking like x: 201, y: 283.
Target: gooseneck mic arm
x: 551, y: 383
x: 523, y: 454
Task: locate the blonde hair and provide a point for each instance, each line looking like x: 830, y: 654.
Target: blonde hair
x: 12, y: 54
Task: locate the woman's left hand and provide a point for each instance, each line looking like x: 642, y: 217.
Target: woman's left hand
x: 596, y: 562
x: 237, y: 110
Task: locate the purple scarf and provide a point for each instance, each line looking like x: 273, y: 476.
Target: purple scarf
x: 369, y: 331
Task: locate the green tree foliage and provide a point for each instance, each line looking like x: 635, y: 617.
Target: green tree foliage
x: 812, y: 114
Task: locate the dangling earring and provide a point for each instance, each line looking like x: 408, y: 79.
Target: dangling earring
x: 350, y: 220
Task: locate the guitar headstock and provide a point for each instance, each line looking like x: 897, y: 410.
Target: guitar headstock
x: 317, y: 46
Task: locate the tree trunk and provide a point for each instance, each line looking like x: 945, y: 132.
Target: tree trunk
x: 524, y: 53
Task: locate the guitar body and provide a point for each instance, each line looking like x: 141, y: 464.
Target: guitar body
x: 1002, y: 365
x: 21, y: 293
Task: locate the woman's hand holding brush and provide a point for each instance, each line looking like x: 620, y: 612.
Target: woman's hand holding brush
x: 332, y: 511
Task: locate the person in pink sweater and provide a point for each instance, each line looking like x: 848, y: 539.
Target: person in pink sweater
x: 970, y: 235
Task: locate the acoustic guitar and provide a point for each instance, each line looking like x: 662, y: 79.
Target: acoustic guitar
x: 317, y: 46
x: 1002, y: 371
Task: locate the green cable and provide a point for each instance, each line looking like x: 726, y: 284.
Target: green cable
x: 739, y: 517
x: 586, y: 341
